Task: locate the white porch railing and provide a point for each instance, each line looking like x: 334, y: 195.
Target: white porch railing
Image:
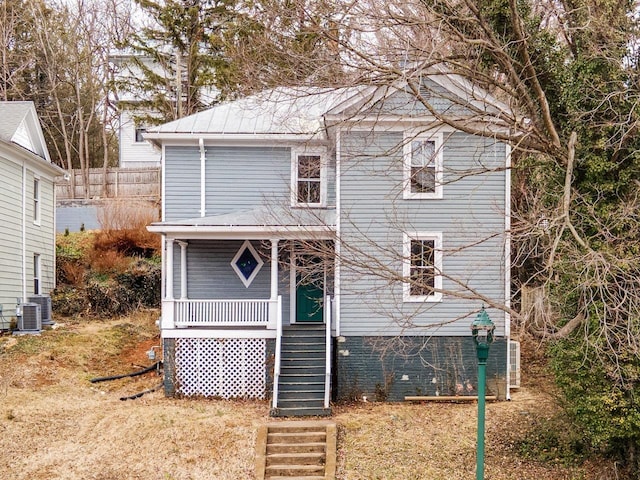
x: 223, y: 313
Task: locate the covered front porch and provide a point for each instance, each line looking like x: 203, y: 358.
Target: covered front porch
x: 229, y: 293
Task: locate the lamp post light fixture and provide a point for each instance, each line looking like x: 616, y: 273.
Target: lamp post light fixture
x: 482, y: 330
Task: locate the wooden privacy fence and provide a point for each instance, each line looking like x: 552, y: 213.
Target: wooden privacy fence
x: 142, y: 183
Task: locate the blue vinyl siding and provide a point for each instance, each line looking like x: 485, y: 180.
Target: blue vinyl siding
x: 236, y: 179
x: 470, y: 216
x: 182, y: 183
x: 240, y: 178
x: 210, y: 276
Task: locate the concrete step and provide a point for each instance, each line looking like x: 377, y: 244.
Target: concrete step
x: 301, y: 376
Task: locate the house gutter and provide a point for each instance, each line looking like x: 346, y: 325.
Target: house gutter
x: 203, y: 196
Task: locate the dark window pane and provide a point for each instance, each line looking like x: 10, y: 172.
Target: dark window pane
x: 309, y: 166
x: 423, y: 179
x: 422, y: 268
x: 246, y: 263
x: 423, y: 153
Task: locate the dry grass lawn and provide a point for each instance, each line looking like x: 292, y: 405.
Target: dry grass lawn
x: 55, y: 424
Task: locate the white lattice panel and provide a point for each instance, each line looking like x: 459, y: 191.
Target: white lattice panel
x: 216, y: 367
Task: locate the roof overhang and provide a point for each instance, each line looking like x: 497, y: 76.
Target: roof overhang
x: 243, y: 232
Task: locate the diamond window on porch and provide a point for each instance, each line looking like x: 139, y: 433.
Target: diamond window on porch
x: 247, y: 263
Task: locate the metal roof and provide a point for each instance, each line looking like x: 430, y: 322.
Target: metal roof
x: 279, y: 111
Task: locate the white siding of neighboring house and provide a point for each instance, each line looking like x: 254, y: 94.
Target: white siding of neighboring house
x: 135, y: 154
x: 10, y: 233
x: 17, y: 250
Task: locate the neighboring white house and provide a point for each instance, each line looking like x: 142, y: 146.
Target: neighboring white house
x: 134, y: 150
x: 27, y: 208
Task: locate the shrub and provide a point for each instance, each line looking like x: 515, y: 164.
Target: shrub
x: 124, y: 229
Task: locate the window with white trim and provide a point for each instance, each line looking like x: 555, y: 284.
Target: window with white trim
x: 423, y: 166
x: 36, y: 201
x: 37, y: 288
x: 422, y: 267
x: 309, y: 179
x: 247, y: 263
x: 139, y: 134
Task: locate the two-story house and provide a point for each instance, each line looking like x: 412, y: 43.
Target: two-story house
x: 27, y: 209
x: 325, y: 244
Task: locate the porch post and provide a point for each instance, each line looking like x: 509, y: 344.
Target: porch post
x: 168, y: 294
x: 273, y: 310
x: 183, y: 269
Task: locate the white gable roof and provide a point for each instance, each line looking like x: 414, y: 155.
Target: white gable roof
x: 19, y: 124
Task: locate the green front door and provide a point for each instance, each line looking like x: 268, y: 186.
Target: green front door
x: 309, y: 289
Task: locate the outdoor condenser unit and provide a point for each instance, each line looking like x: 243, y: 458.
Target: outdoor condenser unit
x: 45, y: 307
x: 30, y: 319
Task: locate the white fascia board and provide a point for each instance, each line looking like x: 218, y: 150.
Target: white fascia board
x: 18, y: 154
x: 391, y: 123
x: 231, y: 138
x: 243, y: 232
x: 216, y: 333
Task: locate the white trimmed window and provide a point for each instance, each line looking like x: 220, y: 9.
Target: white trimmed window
x: 422, y: 170
x: 37, y: 287
x: 422, y: 267
x: 247, y: 263
x: 308, y: 173
x: 36, y: 201
x: 139, y: 134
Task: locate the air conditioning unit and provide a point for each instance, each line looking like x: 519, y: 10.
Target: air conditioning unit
x: 45, y: 307
x: 514, y: 364
x: 30, y: 319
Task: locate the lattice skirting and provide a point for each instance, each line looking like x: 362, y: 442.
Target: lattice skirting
x: 225, y: 368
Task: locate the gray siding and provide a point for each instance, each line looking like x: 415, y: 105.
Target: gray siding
x: 210, y: 275
x: 405, y: 103
x: 470, y: 216
x: 237, y: 178
x: 182, y: 183
x: 240, y: 178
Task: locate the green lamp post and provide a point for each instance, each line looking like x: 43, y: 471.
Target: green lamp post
x: 482, y: 330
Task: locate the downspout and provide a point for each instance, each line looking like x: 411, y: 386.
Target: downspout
x: 336, y: 280
x: 24, y: 231
x: 203, y: 196
x: 507, y: 261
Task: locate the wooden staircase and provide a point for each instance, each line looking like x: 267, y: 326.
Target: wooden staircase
x: 301, y: 386
x: 302, y: 450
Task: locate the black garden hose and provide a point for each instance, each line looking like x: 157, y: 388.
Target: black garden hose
x: 139, y: 394
x: 155, y: 366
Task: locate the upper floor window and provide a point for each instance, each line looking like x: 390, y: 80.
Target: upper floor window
x: 140, y: 131
x: 422, y: 267
x: 36, y: 201
x: 423, y: 166
x: 309, y: 178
